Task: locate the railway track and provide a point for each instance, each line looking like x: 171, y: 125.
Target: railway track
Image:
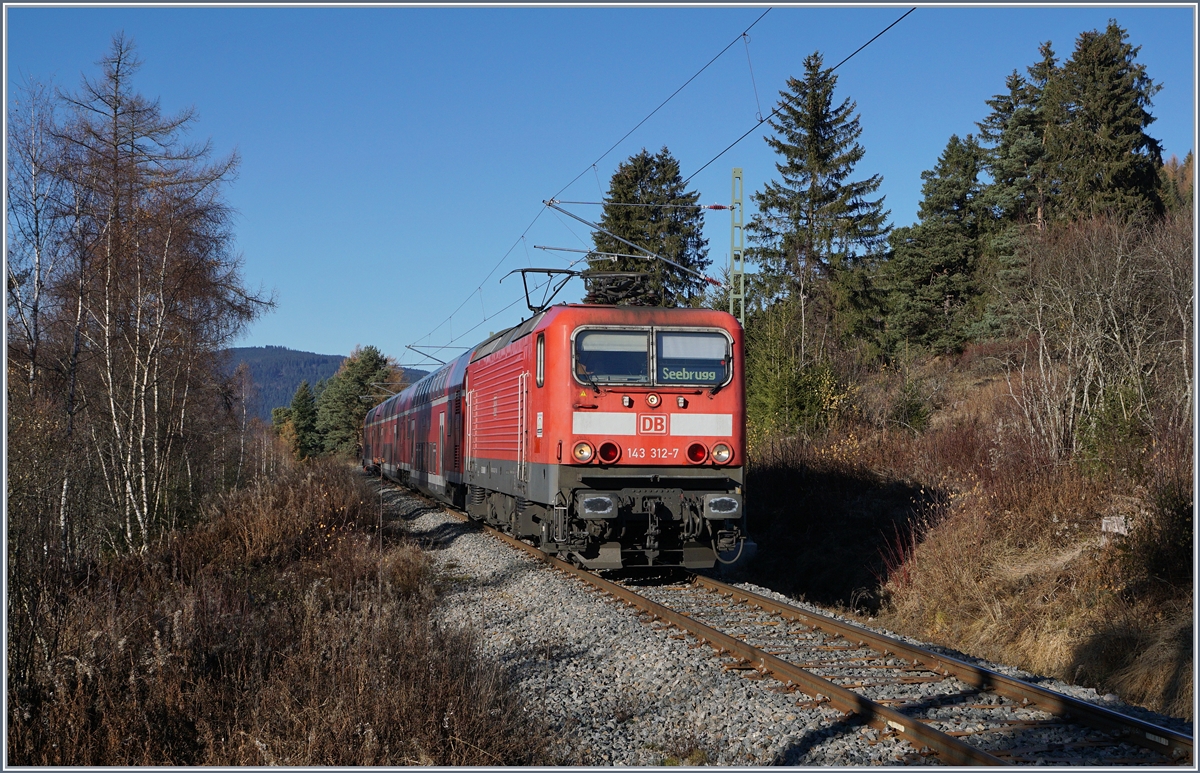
x: 960, y: 713
x: 977, y: 716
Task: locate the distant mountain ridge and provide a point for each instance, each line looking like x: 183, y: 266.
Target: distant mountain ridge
x: 278, y: 370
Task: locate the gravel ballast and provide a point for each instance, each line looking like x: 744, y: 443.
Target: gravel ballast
x: 618, y: 691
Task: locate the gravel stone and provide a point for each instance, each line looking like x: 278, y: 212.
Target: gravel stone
x: 616, y: 689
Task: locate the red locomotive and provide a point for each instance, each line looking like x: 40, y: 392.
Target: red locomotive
x: 612, y: 435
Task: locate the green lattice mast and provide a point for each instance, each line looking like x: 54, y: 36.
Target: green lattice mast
x: 737, y: 243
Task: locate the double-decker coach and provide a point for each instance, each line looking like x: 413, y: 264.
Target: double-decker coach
x: 614, y: 435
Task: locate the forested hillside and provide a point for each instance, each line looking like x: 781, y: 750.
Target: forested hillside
x: 978, y: 426
x: 277, y: 371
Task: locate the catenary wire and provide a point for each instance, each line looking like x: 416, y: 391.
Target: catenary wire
x: 592, y: 166
x: 775, y: 112
x: 639, y: 204
x: 479, y: 288
x: 664, y: 102
x: 772, y: 114
x: 497, y: 313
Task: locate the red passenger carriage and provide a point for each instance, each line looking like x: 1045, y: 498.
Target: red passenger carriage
x: 612, y: 434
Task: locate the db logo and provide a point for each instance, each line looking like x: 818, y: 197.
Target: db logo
x: 652, y: 424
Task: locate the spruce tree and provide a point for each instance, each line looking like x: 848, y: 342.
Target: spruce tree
x: 1068, y: 142
x: 817, y: 231
x: 648, y: 204
x: 930, y: 273
x: 1016, y: 160
x: 340, y: 410
x: 280, y: 416
x: 1107, y: 162
x: 816, y: 218
x: 1024, y: 188
x: 1071, y: 141
x: 304, y: 421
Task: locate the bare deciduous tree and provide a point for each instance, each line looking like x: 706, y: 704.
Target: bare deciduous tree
x: 1106, y: 306
x: 35, y: 217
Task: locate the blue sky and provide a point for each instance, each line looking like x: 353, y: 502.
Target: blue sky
x: 392, y: 158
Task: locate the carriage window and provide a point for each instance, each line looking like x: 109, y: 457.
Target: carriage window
x: 692, y: 358
x: 612, y: 356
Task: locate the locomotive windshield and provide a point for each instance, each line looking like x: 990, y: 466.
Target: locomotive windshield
x: 692, y: 358
x: 613, y: 356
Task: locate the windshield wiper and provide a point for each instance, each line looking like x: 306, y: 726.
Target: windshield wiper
x: 590, y: 380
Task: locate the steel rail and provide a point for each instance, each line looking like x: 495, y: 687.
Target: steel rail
x: 948, y: 748
x: 1169, y: 743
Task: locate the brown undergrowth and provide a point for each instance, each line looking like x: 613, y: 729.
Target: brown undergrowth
x: 279, y: 632
x: 957, y: 532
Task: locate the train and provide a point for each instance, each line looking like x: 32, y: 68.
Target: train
x: 610, y: 436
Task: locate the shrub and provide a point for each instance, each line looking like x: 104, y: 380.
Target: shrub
x: 281, y: 631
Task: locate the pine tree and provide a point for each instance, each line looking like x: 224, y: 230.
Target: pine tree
x: 304, y: 421
x: 340, y: 410
x: 664, y: 219
x: 930, y: 274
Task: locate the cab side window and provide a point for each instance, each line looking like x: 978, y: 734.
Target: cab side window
x: 541, y: 359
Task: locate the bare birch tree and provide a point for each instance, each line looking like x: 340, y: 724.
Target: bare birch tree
x: 156, y: 285
x: 35, y: 217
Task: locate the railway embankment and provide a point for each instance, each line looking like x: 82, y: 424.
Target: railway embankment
x: 928, y: 509
x: 615, y: 690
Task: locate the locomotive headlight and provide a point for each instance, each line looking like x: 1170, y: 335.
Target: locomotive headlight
x: 653, y: 400
x: 721, y: 453
x: 583, y: 452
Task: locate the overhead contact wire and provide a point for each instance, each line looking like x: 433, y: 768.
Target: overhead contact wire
x: 498, y: 312
x: 664, y: 102
x: 593, y: 166
x: 775, y: 112
x: 479, y: 288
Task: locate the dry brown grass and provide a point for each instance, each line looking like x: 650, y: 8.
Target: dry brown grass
x: 962, y: 534
x: 280, y: 632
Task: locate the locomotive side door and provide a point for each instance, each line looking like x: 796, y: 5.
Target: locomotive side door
x: 522, y: 430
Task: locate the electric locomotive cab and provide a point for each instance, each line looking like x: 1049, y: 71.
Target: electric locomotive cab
x: 652, y: 472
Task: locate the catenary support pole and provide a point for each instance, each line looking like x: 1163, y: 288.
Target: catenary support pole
x: 737, y: 243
